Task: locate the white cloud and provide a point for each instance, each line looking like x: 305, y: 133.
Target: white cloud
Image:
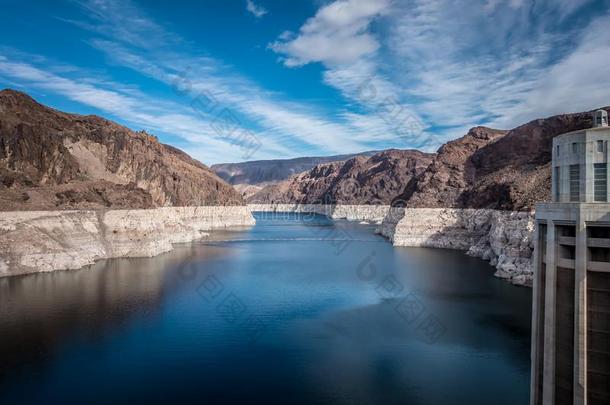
x: 337, y: 34
x: 467, y: 68
x: 256, y: 10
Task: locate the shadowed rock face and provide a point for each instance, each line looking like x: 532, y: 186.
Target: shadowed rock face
x: 487, y: 168
x: 360, y: 180
x: 54, y: 160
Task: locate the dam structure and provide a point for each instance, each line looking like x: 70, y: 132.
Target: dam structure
x: 571, y: 296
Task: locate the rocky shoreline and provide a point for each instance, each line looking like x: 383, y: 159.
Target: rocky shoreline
x: 504, y: 238
x: 39, y: 241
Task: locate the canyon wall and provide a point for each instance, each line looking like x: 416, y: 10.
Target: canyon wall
x: 373, y: 180
x: 51, y: 160
x: 37, y: 241
x: 504, y: 238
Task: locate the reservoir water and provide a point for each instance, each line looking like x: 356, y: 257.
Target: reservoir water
x: 296, y: 309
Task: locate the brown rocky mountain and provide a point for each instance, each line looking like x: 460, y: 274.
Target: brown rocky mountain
x: 508, y: 170
x: 360, y: 180
x: 54, y: 160
x: 263, y: 172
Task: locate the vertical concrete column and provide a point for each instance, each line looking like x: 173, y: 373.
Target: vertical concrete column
x: 580, y: 312
x: 536, y: 259
x: 607, y: 170
x: 549, y: 315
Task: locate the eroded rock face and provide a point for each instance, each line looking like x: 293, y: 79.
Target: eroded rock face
x: 358, y: 181
x: 54, y: 160
x: 504, y: 238
x: 449, y: 174
x: 37, y: 241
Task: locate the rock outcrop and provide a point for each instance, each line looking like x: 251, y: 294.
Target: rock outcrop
x: 35, y: 241
x: 375, y: 180
x: 53, y: 160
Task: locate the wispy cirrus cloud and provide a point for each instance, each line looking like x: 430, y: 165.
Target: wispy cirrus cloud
x: 287, y: 124
x: 443, y: 64
x: 459, y: 64
x: 129, y: 38
x: 254, y: 9
x: 494, y: 60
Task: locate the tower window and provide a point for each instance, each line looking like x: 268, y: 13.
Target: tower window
x: 574, y: 147
x: 600, y: 146
x: 600, y: 183
x: 574, y: 183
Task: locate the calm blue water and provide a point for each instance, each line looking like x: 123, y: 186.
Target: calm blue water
x: 293, y: 310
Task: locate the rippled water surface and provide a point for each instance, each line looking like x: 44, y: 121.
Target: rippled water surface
x: 293, y: 310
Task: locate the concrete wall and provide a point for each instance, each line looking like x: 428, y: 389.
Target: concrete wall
x: 585, y: 156
x: 578, y: 218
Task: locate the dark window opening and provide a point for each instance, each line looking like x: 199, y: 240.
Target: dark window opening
x: 564, y: 337
x: 574, y: 183
x: 600, y: 182
x: 598, y: 341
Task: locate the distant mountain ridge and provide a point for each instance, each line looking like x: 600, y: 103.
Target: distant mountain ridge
x: 54, y: 160
x: 261, y: 172
x: 486, y: 168
x: 360, y: 180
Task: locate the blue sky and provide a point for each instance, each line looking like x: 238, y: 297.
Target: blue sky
x: 241, y: 80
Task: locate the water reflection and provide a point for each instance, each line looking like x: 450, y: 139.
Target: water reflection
x: 39, y: 311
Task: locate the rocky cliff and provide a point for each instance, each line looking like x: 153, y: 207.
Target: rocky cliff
x: 504, y: 238
x: 487, y: 168
x: 357, y: 181
x: 54, y: 160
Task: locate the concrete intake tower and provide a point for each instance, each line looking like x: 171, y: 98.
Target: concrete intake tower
x: 571, y: 296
